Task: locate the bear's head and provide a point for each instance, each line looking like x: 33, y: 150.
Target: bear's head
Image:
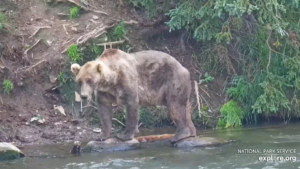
x: 88, y: 77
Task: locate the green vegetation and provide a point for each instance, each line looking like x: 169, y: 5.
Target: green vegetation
x: 73, y: 53
x: 7, y: 86
x: 119, y: 30
x: 254, y: 40
x: 3, y: 21
x: 207, y: 78
x: 74, y: 12
x: 231, y: 115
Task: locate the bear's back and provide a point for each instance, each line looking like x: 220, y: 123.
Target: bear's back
x: 156, y: 59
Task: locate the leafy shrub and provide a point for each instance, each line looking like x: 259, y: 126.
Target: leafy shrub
x: 7, y: 86
x: 74, y: 12
x: 207, y: 78
x: 73, y: 53
x: 256, y: 39
x: 119, y: 30
x: 3, y: 21
x: 232, y: 115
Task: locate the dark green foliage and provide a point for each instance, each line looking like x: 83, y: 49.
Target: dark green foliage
x: 148, y: 116
x: 74, y: 12
x: 153, y: 117
x: 74, y: 54
x: 2, y: 20
x: 207, y: 78
x: 9, y: 155
x: 119, y: 30
x: 251, y: 39
x: 231, y: 115
x: 7, y: 86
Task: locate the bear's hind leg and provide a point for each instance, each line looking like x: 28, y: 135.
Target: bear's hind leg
x: 178, y: 115
x: 190, y: 122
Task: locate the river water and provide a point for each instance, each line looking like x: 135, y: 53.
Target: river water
x: 247, y: 153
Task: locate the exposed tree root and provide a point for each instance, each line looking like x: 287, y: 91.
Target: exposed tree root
x: 39, y: 28
x: 26, y: 51
x: 205, y: 92
x: 28, y: 68
x: 91, y: 35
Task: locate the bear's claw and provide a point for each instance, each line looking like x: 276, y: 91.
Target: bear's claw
x: 180, y: 135
x: 102, y: 137
x: 125, y: 136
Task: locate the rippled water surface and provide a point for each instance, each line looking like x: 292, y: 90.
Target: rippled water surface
x: 157, y: 155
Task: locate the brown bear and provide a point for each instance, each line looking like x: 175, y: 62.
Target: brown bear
x: 145, y: 78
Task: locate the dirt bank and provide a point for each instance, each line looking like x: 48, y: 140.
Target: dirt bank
x: 31, y: 51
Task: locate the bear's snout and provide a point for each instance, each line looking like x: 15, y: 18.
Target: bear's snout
x: 84, y: 97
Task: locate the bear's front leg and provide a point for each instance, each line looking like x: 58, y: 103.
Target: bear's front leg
x: 130, y: 98
x: 106, y: 121
x: 132, y: 117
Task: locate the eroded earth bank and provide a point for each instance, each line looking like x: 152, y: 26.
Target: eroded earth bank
x: 37, y: 103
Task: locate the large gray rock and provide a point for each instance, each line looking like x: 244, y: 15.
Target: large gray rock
x: 111, y: 144
x: 201, y: 142
x: 9, y: 152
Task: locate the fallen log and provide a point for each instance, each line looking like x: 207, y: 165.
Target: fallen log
x: 154, y: 137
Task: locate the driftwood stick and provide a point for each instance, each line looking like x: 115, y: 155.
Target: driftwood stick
x: 111, y: 43
x: 197, y: 94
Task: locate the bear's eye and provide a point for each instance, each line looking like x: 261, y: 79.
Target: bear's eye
x: 89, y: 81
x: 80, y: 82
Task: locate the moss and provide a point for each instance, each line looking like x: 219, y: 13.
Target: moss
x: 10, y: 155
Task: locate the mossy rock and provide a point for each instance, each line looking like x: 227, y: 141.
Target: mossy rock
x: 9, y: 152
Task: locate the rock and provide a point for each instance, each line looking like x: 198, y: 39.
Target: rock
x: 60, y: 109
x: 97, y: 130
x: 95, y: 17
x: 201, y: 142
x: 111, y: 144
x: 9, y: 152
x: 52, y: 78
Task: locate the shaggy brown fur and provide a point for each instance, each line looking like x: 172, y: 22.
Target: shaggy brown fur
x: 146, y: 78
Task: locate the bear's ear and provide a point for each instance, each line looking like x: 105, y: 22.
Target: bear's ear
x: 99, y: 68
x: 75, y: 68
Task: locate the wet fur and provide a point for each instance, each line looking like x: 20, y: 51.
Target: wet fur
x: 145, y: 78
